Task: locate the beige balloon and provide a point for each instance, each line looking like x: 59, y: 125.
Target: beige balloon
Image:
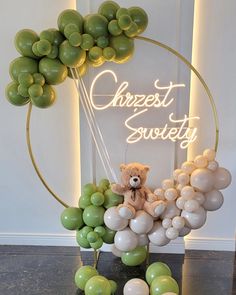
x: 214, y: 200
x: 222, y: 178
x: 195, y: 220
x: 171, y: 210
x: 157, y: 235
x: 142, y: 222
x: 184, y: 231
x: 116, y: 251
x: 136, y: 287
x: 113, y: 220
x: 202, y: 179
x: 172, y: 233
x: 126, y: 240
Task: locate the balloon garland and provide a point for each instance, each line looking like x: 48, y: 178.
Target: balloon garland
x: 48, y: 59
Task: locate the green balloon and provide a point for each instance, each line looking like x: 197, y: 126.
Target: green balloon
x: 81, y: 240
x: 70, y: 16
x: 54, y: 52
x: 132, y: 31
x: 97, y: 245
x: 26, y: 79
x: 93, y: 215
x: 85, y: 230
x: 92, y: 237
x: 47, y: 35
x: 134, y: 257
x: 13, y: 96
x: 53, y: 70
x: 100, y: 230
x: 96, y: 25
x: 87, y: 42
x: 71, y: 56
x: 114, y: 28
x: 71, y: 218
x: 108, y: 238
x: 113, y: 285
x: 22, y: 65
x: 163, y: 284
x: 104, y: 182
x: 84, y: 201
x: 108, y: 9
x: 157, y: 269
x: 23, y: 90
x: 95, y: 54
x: 35, y: 50
x: 97, y: 63
x: 102, y: 42
x: 122, y: 11
x: 124, y: 22
x: 112, y: 199
x: 37, y: 79
x: 109, y: 53
x: 54, y: 36
x: 44, y: 47
x: 35, y: 90
x: 97, y: 199
x: 78, y: 72
x: 89, y: 189
x: 140, y: 17
x: 98, y: 285
x: 124, y: 48
x: 47, y: 99
x: 75, y: 39
x: 70, y: 29
x: 24, y: 41
x: 83, y: 274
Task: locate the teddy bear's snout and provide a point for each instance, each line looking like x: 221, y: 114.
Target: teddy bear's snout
x: 134, y: 181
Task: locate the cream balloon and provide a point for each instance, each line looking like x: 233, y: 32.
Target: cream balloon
x: 201, y: 161
x: 143, y: 240
x: 191, y: 206
x: 176, y: 173
x: 210, y: 154
x: 183, y: 178
x: 160, y: 193
x: 157, y: 235
x: 188, y: 167
x: 171, y: 194
x: 214, y: 200
x: 172, y: 233
x: 199, y: 197
x: 113, y: 220
x: 171, y: 210
x: 116, y: 251
x: 178, y: 222
x: 202, y: 179
x: 142, y: 222
x: 166, y: 223
x: 184, y: 231
x: 213, y: 165
x: 167, y: 183
x: 136, y: 287
x: 126, y: 240
x: 180, y: 203
x: 222, y: 178
x: 187, y: 192
x: 195, y: 220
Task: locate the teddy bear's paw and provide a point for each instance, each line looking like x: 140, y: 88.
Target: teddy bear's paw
x: 159, y: 209
x: 126, y: 212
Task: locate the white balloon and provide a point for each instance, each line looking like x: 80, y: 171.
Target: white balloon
x: 126, y: 240
x: 209, y: 154
x: 143, y: 240
x: 142, y: 222
x: 179, y: 187
x: 171, y: 194
x: 167, y: 183
x: 201, y: 161
x: 188, y: 167
x: 166, y: 223
x: 183, y: 178
x: 116, y: 251
x: 222, y: 178
x: 213, y: 165
x: 191, y: 205
x: 171, y: 210
x: 178, y: 222
x: 113, y: 220
x: 187, y: 192
x: 214, y: 200
x: 199, y: 197
x: 195, y: 220
x: 172, y: 233
x: 136, y: 287
x: 176, y: 173
x: 157, y: 235
x: 160, y: 193
x: 184, y: 231
x: 180, y: 203
x: 202, y: 179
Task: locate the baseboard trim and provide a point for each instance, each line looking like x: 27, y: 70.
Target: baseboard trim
x: 177, y: 246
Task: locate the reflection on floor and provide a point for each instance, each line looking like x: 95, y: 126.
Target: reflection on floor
x: 50, y: 270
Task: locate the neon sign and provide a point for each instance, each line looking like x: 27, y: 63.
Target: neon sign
x: 141, y: 104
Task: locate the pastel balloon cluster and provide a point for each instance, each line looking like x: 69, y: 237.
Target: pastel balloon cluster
x: 48, y: 58
x: 88, y: 280
x: 159, y: 282
x: 88, y: 219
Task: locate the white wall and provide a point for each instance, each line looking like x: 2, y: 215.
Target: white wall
x: 214, y: 56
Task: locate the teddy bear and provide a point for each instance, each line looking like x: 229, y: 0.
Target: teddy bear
x: 136, y: 195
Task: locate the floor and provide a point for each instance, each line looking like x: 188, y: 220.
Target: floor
x: 26, y: 270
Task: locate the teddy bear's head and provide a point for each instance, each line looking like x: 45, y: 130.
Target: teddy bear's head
x: 133, y: 175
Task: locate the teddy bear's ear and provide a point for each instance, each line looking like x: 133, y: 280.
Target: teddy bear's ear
x: 122, y: 167
x: 146, y: 168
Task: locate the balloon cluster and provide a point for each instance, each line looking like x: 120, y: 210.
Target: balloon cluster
x: 158, y: 277
x: 193, y: 191
x: 88, y: 279
x: 80, y: 41
x: 88, y: 219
